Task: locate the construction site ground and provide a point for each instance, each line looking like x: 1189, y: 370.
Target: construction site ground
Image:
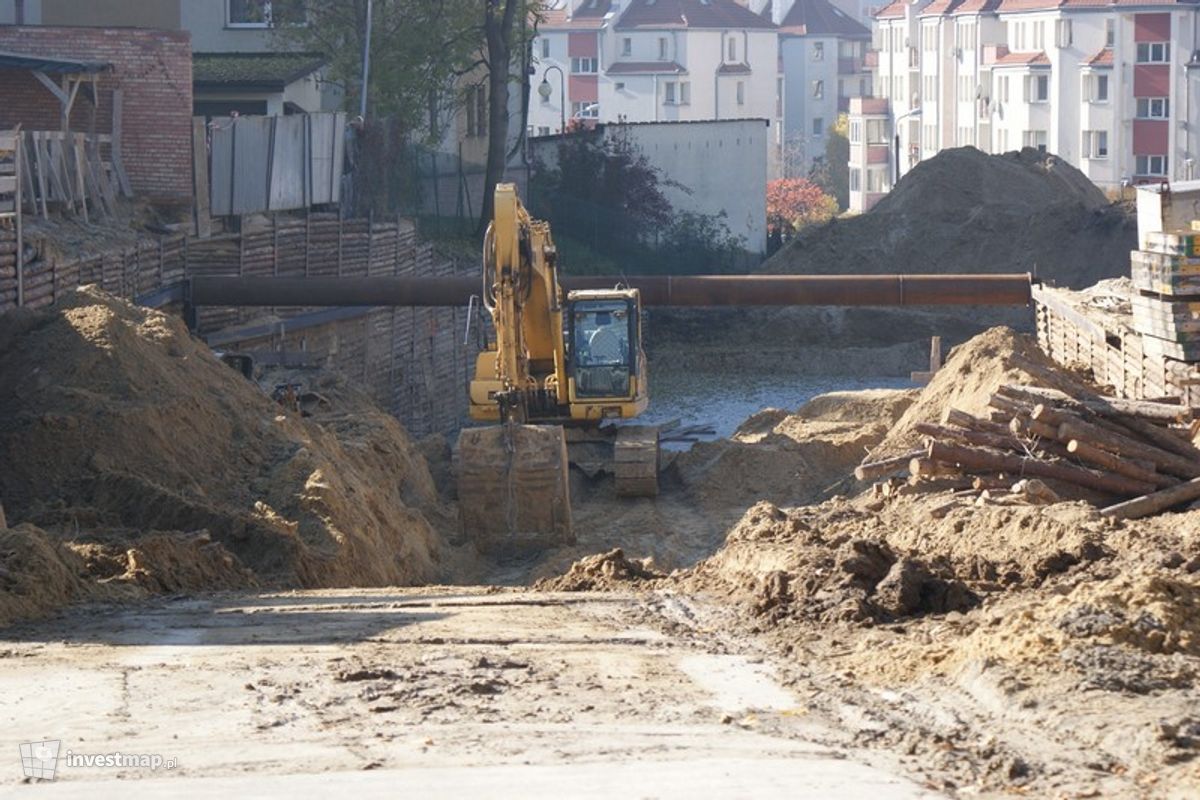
x: 285, y: 603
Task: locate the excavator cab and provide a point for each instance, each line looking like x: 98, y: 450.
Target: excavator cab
x: 605, y: 356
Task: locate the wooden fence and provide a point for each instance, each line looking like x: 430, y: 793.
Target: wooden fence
x: 275, y: 163
x: 412, y: 361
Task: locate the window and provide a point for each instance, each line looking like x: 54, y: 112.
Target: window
x: 1039, y: 35
x: 585, y: 110
x: 1037, y: 88
x: 855, y: 132
x: 855, y: 181
x: 1095, y: 144
x: 249, y: 13
x: 732, y: 49
x: 1062, y: 32
x: 662, y: 48
x: 877, y: 131
x: 619, y: 86
x: 1151, y: 165
x: 1153, y: 52
x: 1002, y: 88
x: 669, y: 92
x: 818, y: 51
x: 1153, y: 108
x: 741, y: 93
x: 818, y: 126
x: 685, y: 94
x: 875, y: 180
x: 1035, y: 139
x: 818, y: 90
x: 545, y: 47
x: 1002, y: 140
x: 1110, y: 32
x: 583, y: 66
x: 476, y: 107
x: 1097, y: 87
x: 627, y: 46
x: 543, y: 130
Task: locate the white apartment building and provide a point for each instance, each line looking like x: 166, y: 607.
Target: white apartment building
x: 821, y: 53
x: 654, y: 61
x: 1107, y: 86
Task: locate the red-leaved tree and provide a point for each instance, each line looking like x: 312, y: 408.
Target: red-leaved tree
x: 796, y: 203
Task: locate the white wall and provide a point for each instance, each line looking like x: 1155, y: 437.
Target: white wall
x: 721, y: 164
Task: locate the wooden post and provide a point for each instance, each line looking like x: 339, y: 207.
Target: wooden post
x: 81, y: 190
x: 118, y: 111
x: 1125, y: 446
x: 870, y: 470
x: 200, y: 202
x: 1153, y: 503
x: 975, y: 460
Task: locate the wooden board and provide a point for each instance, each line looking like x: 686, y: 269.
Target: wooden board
x: 1173, y: 243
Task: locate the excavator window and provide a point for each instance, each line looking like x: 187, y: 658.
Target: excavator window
x: 601, y: 334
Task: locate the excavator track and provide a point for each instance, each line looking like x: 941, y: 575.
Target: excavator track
x: 636, y: 461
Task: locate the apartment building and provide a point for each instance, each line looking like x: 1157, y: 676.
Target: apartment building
x: 821, y: 52
x: 655, y: 61
x: 1107, y: 86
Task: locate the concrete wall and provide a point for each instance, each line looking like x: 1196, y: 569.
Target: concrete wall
x: 154, y: 71
x: 721, y: 163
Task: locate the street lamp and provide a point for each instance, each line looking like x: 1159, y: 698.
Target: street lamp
x: 544, y: 91
x: 916, y: 112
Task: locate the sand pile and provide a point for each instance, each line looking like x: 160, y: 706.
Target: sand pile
x: 133, y: 447
x: 972, y: 373
x: 609, y: 570
x: 964, y: 211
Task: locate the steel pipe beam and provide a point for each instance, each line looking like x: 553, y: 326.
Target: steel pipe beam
x: 657, y: 290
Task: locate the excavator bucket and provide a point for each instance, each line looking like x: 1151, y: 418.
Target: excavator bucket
x: 514, y: 488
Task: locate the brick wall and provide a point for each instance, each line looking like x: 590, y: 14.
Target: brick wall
x: 154, y: 71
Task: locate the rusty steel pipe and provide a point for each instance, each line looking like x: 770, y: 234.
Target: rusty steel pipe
x: 657, y: 290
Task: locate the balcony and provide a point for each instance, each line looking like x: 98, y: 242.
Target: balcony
x: 871, y: 59
x: 851, y: 66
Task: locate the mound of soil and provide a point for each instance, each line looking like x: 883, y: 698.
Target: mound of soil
x: 602, y: 571
x: 965, y: 211
x: 126, y: 439
x: 972, y: 373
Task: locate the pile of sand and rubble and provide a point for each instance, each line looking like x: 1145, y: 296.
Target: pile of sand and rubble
x: 132, y: 459
x: 966, y: 211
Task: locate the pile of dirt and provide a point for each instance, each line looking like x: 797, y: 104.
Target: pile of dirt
x: 972, y: 373
x: 965, y: 211
x: 133, y: 447
x: 609, y: 570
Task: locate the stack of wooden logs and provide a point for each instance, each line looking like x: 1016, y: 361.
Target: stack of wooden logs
x: 1136, y: 457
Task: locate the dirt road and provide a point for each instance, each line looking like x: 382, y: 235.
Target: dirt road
x: 440, y: 692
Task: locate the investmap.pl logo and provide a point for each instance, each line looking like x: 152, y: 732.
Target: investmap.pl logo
x: 42, y: 760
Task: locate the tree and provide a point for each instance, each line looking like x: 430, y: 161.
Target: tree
x: 795, y: 203
x: 418, y: 48
x: 832, y: 173
x: 501, y: 20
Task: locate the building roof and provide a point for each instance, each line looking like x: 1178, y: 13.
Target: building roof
x: 821, y: 18
x: 690, y: 14
x: 734, y: 69
x: 589, y: 16
x: 1007, y: 59
x: 56, y: 66
x: 1038, y: 5
x: 644, y: 68
x: 260, y: 71
x: 892, y: 10
x: 1104, y: 58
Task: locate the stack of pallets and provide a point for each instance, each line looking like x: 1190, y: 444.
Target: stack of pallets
x: 1166, y: 303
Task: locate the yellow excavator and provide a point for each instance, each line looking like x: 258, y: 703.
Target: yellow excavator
x: 558, y: 360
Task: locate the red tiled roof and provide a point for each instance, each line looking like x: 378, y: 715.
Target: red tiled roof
x: 954, y: 7
x: 892, y: 10
x: 1037, y: 59
x: 1038, y: 5
x: 644, y: 67
x: 733, y: 69
x: 690, y: 14
x: 589, y: 16
x: 821, y: 18
x: 1104, y: 58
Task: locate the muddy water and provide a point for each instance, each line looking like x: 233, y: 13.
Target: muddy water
x: 724, y: 401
